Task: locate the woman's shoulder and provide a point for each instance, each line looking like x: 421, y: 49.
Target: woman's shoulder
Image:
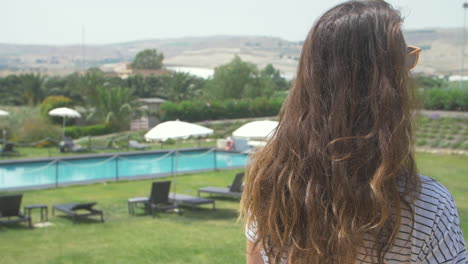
x: 433, y: 194
x: 433, y: 202
x: 436, y: 219
x: 430, y: 200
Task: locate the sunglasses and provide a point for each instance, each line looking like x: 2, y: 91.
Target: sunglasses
x: 412, y: 57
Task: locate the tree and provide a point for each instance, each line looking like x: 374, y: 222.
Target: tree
x: 423, y: 81
x: 55, y: 86
x: 279, y: 83
x: 260, y: 86
x: 144, y: 87
x: 32, y: 88
x: 52, y: 102
x: 239, y: 79
x: 230, y: 80
x: 148, y: 59
x: 154, y: 86
x: 183, y: 86
x: 88, y: 85
x: 10, y: 90
x: 114, y: 105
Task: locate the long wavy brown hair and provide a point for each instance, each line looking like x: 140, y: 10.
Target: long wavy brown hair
x: 340, y: 167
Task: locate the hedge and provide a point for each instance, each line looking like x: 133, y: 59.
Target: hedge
x: 455, y: 99
x: 93, y: 130
x: 193, y: 111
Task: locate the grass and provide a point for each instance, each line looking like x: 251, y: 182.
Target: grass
x: 198, y: 236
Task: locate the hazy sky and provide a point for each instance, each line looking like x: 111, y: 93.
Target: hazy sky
x: 109, y: 21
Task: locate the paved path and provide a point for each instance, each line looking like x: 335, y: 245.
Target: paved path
x: 442, y: 151
x: 442, y: 113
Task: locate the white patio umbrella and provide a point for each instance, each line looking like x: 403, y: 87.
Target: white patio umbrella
x: 256, y: 130
x: 64, y: 112
x: 176, y: 130
x: 4, y: 113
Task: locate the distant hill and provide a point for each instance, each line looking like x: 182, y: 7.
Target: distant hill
x: 441, y: 53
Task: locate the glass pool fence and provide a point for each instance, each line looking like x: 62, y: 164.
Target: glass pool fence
x: 121, y: 166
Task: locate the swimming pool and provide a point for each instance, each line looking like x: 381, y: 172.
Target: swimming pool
x: 69, y: 170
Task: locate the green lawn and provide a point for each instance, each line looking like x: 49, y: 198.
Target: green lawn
x: 198, y: 236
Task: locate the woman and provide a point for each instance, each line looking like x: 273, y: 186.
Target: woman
x: 337, y: 183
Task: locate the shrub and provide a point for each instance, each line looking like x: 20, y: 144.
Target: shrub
x: 35, y: 129
x: 421, y: 135
x: 455, y: 99
x: 170, y: 141
x: 455, y: 145
x: 52, y: 102
x: 444, y: 144
x: 421, y: 142
x: 435, y: 143
x: 93, y: 130
x: 193, y: 111
x: 464, y: 145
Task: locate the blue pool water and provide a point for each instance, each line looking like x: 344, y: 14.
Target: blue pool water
x: 91, y: 169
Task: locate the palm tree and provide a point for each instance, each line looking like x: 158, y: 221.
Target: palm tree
x: 183, y: 86
x: 32, y: 87
x: 10, y: 89
x: 89, y: 85
x: 115, y: 105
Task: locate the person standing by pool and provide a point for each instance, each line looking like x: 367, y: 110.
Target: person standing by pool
x: 338, y: 183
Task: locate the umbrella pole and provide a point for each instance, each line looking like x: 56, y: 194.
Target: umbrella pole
x: 63, y: 125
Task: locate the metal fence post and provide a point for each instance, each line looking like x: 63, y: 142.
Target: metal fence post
x: 56, y: 173
x: 172, y: 163
x: 116, y: 168
x: 215, y: 160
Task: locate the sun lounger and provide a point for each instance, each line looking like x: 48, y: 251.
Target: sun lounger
x: 157, y: 201
x: 10, y: 210
x: 110, y: 145
x: 69, y: 145
x: 234, y: 191
x: 9, y: 149
x: 134, y: 144
x: 78, y: 210
x: 190, y: 200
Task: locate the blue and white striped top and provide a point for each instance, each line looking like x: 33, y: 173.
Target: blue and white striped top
x: 436, y: 237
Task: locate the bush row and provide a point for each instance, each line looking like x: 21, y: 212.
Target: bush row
x: 83, y: 131
x: 455, y: 99
x: 193, y: 111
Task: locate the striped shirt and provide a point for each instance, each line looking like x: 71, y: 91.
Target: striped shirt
x: 436, y: 237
